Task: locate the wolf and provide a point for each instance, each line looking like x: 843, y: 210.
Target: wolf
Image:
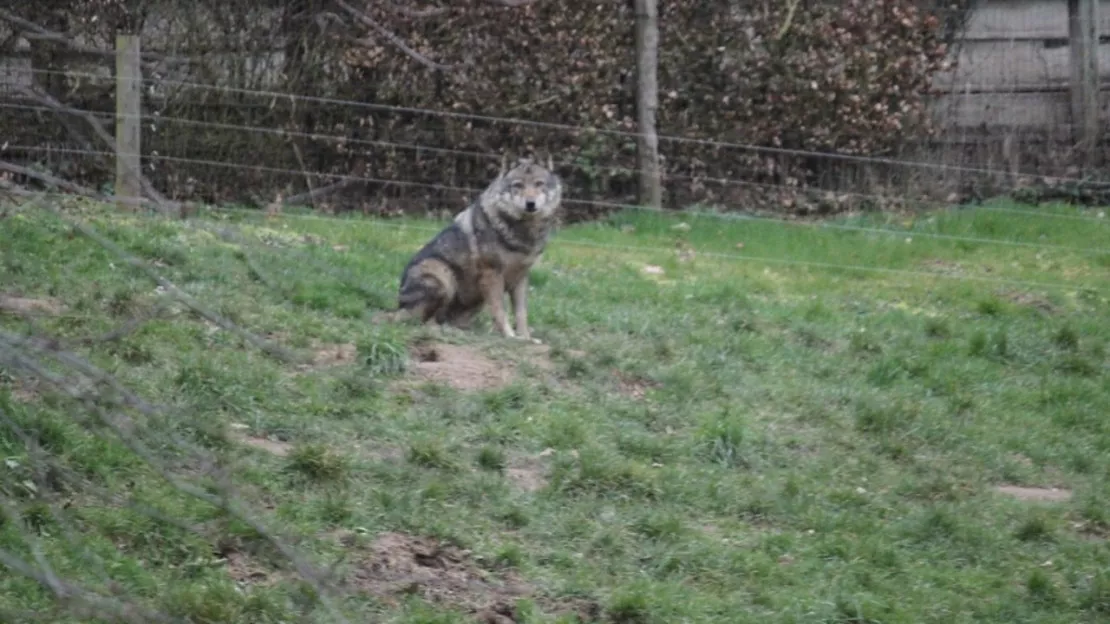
x: 487, y: 251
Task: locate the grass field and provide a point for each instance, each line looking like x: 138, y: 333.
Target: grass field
x: 754, y: 432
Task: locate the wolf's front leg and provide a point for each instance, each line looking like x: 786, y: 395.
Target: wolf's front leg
x: 493, y: 289
x: 519, y: 296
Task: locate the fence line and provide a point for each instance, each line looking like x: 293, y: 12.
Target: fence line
x: 566, y: 163
x: 493, y: 157
x: 782, y: 151
x: 624, y: 206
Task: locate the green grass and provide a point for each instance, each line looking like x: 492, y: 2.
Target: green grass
x: 808, y: 442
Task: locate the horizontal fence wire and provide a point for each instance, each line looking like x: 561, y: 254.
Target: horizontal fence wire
x: 569, y: 128
x: 599, y: 203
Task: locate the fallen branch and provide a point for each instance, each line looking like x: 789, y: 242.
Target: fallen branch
x: 394, y: 39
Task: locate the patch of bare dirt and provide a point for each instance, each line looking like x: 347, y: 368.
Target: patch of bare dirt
x: 397, y: 565
x: 1035, y: 494
x: 538, y: 355
x: 462, y: 368
x: 243, y: 569
x: 945, y: 267
x: 25, y: 306
x: 527, y: 473
x: 274, y: 447
x: 380, y: 453
x: 327, y: 355
x: 1031, y: 300
x: 24, y: 391
x: 633, y: 386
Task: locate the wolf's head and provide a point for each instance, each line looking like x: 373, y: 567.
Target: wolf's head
x: 528, y: 190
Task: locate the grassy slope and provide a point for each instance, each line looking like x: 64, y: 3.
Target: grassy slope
x: 816, y: 444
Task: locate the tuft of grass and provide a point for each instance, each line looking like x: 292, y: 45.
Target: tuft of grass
x: 722, y: 438
x: 1035, y: 528
x: 430, y: 453
x: 491, y: 458
x: 318, y: 463
x: 1066, y: 338
x: 383, y: 357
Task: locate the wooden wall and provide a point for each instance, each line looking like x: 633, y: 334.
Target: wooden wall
x: 1013, y: 68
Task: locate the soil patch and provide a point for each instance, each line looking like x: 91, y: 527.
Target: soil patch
x: 633, y: 386
x: 30, y: 305
x: 1031, y: 300
x: 396, y: 565
x: 274, y: 447
x: 245, y: 570
x: 538, y: 355
x: 380, y: 453
x: 527, y: 473
x: 462, y: 368
x: 1050, y: 495
x: 24, y: 391
x: 945, y: 267
x: 327, y: 355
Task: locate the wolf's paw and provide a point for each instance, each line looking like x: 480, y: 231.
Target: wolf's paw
x: 528, y: 338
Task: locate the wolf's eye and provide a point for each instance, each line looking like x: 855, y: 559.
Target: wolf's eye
x: 518, y: 186
x: 539, y: 184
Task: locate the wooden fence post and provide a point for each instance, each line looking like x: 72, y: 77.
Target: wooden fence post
x: 129, y: 90
x: 647, y: 102
x: 1083, y: 39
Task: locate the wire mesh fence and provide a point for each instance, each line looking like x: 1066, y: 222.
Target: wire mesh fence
x: 79, y: 440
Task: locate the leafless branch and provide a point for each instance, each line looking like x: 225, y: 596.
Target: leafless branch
x: 101, y: 133
x: 788, y: 20
x: 318, y: 193
x: 394, y: 39
x: 410, y: 12
x: 35, y: 31
x: 511, y: 3
x: 48, y: 179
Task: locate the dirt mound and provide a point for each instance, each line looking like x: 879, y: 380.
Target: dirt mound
x: 462, y: 368
x: 397, y: 565
x: 1051, y: 495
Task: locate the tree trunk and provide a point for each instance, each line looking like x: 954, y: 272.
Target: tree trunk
x: 647, y: 102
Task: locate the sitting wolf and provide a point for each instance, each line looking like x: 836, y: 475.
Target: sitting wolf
x: 487, y: 251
